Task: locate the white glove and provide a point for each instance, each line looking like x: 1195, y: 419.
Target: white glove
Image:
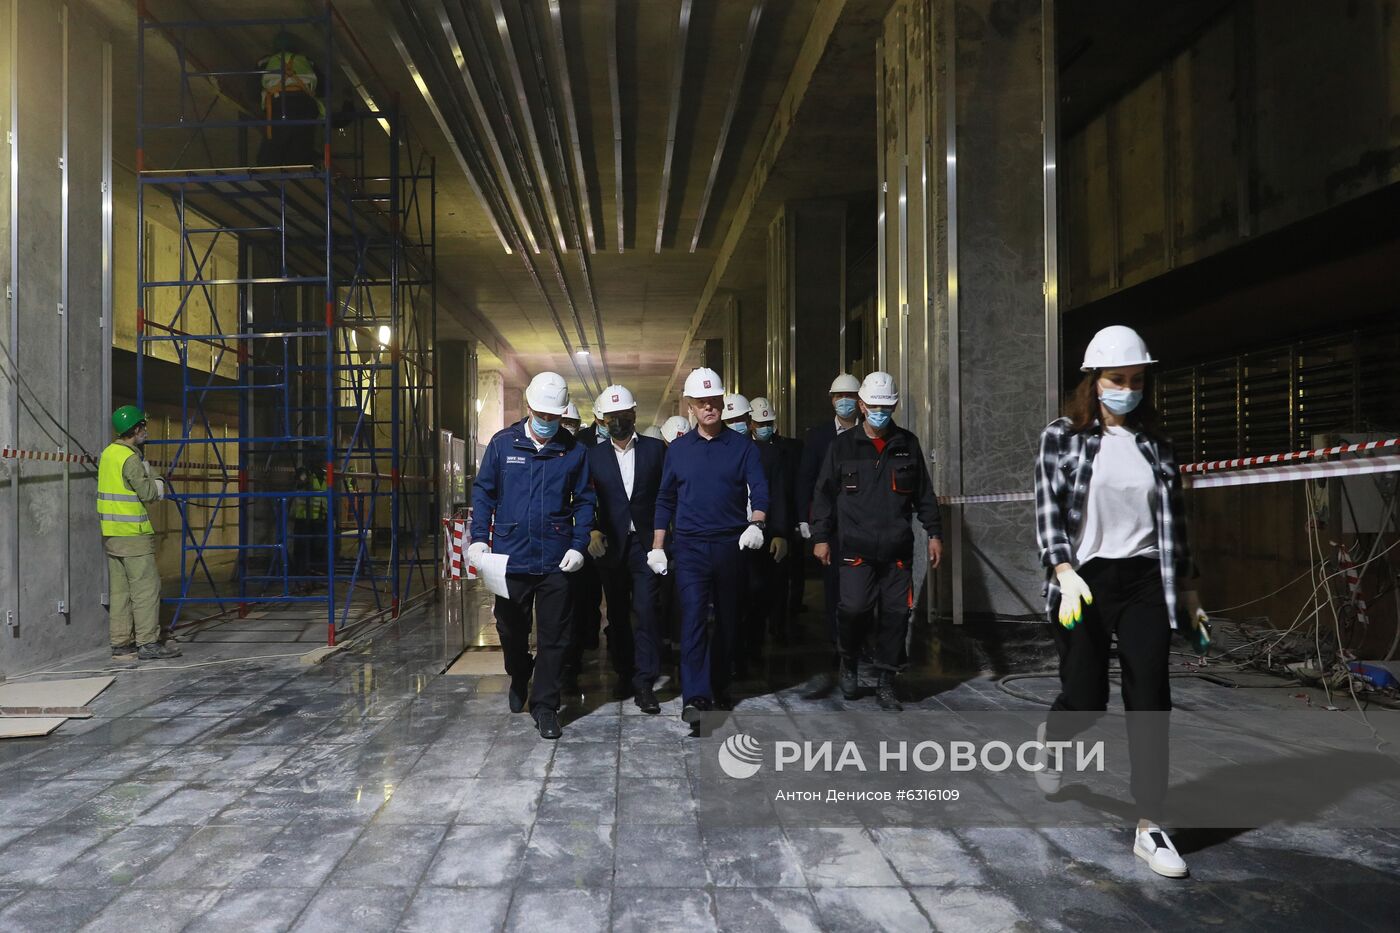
x: 656, y: 560
x: 751, y: 539
x: 597, y: 544
x: 475, y: 552
x: 572, y: 561
x: 160, y: 487
x: 1073, y: 592
x: 805, y: 530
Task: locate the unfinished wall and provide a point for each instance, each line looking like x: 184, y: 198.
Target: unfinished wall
x: 54, y: 328
x: 1277, y: 112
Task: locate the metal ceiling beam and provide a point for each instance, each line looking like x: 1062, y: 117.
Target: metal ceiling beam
x: 677, y: 79
x: 522, y: 99
x: 542, y: 75
x: 619, y: 196
x: 745, y: 54
x: 823, y: 24
x: 566, y: 88
x: 484, y: 124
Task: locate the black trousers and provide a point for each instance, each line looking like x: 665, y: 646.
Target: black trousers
x: 1128, y: 602
x: 831, y: 595
x: 866, y: 586
x: 766, y: 601
x: 546, y: 601
x: 291, y: 145
x: 796, y: 565
x: 588, y: 615
x: 632, y: 589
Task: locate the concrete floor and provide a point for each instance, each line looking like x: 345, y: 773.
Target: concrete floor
x: 372, y: 793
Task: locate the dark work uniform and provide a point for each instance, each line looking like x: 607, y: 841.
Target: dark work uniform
x: 704, y: 488
x: 588, y: 586
x: 629, y: 584
x: 870, y: 488
x: 533, y: 505
x: 791, y: 450
x: 814, y: 449
x: 765, y: 608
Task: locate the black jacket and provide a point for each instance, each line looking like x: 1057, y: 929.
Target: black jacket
x: 791, y: 450
x: 778, y: 519
x: 615, y: 511
x: 870, y: 496
x: 813, y: 455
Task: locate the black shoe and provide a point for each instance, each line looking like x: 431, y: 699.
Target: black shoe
x: 155, y: 651
x: 695, y: 708
x: 884, y: 693
x: 519, y: 692
x: 547, y: 721
x: 646, y: 701
x: 849, y: 682
x: 125, y: 652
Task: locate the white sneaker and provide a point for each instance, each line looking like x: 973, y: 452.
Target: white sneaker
x: 1155, y: 848
x: 1047, y: 778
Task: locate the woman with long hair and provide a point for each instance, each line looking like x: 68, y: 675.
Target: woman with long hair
x: 1112, y: 535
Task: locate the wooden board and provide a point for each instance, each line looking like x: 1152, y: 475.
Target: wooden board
x: 49, y: 693
x: 27, y: 727
x: 477, y: 664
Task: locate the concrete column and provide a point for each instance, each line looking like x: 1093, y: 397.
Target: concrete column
x: 968, y: 274
x: 806, y: 309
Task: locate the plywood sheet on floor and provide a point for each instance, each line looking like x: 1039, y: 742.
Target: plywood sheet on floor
x: 78, y: 692
x: 28, y: 727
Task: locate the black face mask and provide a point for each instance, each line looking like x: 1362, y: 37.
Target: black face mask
x: 621, y: 428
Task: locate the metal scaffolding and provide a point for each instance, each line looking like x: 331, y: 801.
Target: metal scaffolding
x: 327, y: 350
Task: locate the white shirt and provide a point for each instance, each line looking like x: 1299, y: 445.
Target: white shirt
x: 627, y: 466
x: 1118, y: 512
x: 841, y: 428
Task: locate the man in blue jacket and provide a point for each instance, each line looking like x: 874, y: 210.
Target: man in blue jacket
x: 626, y: 473
x: 714, y: 492
x: 532, y: 502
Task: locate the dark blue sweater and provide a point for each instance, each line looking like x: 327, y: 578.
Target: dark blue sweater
x: 706, y: 483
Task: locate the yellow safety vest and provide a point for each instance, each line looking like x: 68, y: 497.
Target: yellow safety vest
x: 119, y: 509
x: 288, y: 70
x: 306, y: 507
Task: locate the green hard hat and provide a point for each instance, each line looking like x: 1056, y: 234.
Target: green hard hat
x: 126, y: 418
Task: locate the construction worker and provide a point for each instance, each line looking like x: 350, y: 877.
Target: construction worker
x: 715, y: 494
x: 289, y: 94
x: 1112, y: 535
x: 533, y: 503
x: 124, y: 487
x: 814, y: 447
x: 765, y: 598
x: 571, y: 420
x: 673, y: 427
x: 596, y: 432
x: 872, y: 480
x: 588, y: 583
x: 765, y: 430
x: 626, y: 474
x: 309, y: 525
x: 653, y: 432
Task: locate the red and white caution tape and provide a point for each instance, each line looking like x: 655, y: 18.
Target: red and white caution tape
x: 994, y: 497
x: 1353, y: 579
x: 1297, y: 471
x: 49, y: 456
x: 1207, y: 466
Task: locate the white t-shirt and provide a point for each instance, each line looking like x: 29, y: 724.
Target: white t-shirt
x: 1118, y: 514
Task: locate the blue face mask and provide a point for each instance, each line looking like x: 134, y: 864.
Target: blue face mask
x: 1120, y: 401
x: 763, y: 433
x: 878, y: 419
x: 544, y: 430
x: 738, y: 426
x: 846, y: 407
x: 603, y: 430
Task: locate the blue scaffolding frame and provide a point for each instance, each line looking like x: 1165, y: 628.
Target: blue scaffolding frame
x: 342, y: 381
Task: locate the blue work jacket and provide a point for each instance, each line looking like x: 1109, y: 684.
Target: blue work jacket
x: 532, y: 505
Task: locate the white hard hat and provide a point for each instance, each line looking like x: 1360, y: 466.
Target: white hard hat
x: 598, y: 408
x: 653, y: 431
x: 761, y: 410
x: 844, y: 383
x: 571, y: 413
x: 548, y: 394
x: 878, y: 389
x: 673, y: 427
x: 1116, y: 345
x: 735, y: 406
x: 703, y: 383
x: 615, y: 398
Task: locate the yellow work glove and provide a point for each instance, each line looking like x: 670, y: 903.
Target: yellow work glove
x: 778, y: 548
x: 1074, y: 596
x: 597, y: 544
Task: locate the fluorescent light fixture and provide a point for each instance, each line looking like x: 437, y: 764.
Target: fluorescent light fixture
x: 480, y: 404
x: 384, y: 335
x: 581, y: 352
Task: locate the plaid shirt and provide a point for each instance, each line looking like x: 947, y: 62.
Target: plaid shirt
x: 1063, y: 473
